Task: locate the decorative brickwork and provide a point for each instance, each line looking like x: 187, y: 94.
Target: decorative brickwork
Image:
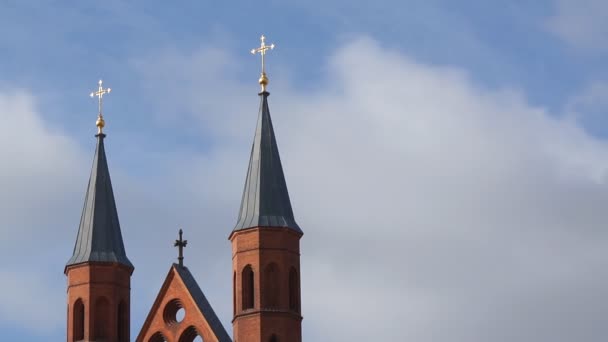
x: 180, y: 292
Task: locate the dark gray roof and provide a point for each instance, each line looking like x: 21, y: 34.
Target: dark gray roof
x: 265, y: 200
x: 203, y: 304
x: 99, y: 237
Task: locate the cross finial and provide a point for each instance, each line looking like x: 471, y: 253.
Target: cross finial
x: 100, y: 93
x: 181, y: 244
x: 262, y: 51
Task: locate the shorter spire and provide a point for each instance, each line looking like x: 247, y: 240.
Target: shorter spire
x: 180, y: 244
x: 100, y: 93
x: 99, y: 237
x: 262, y: 51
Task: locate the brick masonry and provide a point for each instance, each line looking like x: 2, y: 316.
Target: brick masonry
x: 93, y: 283
x: 258, y: 248
x: 161, y: 321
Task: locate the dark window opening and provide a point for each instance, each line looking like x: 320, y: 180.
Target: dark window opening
x: 123, y: 322
x: 294, y: 290
x: 234, y: 294
x: 78, y: 321
x: 190, y: 335
x: 247, y: 286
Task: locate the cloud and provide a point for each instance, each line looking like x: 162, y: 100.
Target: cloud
x: 589, y: 107
x: 581, y: 23
x: 41, y: 177
x: 26, y: 297
x: 41, y: 164
x: 433, y: 209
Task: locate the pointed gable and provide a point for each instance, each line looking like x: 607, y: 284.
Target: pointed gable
x: 99, y: 237
x: 265, y: 201
x: 180, y: 291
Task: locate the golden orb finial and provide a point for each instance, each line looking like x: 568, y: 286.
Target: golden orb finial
x: 263, y: 81
x: 100, y: 123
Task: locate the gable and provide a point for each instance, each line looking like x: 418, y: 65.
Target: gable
x: 181, y: 292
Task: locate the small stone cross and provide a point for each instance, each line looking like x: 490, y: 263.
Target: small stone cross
x: 181, y: 244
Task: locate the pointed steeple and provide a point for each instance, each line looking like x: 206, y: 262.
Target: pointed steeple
x: 265, y: 201
x: 99, y: 237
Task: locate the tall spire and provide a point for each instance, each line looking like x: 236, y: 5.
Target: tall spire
x: 99, y: 236
x: 265, y: 200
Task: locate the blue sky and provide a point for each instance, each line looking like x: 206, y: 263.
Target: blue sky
x: 446, y: 160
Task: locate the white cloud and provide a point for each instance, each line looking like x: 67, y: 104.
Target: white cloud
x: 27, y: 299
x: 581, y: 23
x: 41, y: 178
x: 589, y: 107
x: 40, y: 167
x: 433, y: 209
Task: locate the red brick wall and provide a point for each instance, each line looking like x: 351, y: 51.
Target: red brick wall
x: 260, y: 247
x: 89, y: 282
x: 173, y: 289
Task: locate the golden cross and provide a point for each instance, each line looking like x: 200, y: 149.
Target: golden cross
x: 100, y: 93
x: 262, y: 51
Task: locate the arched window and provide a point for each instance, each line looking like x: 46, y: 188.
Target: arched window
x: 271, y: 286
x: 247, y: 287
x: 174, y: 311
x: 294, y: 290
x: 190, y: 335
x: 78, y: 320
x: 234, y: 294
x: 102, y: 315
x: 273, y: 338
x: 122, y: 322
x: 158, y: 337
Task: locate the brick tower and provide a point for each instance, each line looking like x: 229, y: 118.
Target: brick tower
x: 266, y: 245
x: 99, y: 272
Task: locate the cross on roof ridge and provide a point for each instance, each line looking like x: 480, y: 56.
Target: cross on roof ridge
x: 180, y: 244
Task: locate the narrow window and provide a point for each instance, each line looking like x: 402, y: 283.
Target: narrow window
x: 78, y: 321
x: 102, y: 315
x: 247, y: 287
x: 123, y: 322
x: 234, y: 294
x: 294, y: 290
x: 273, y: 338
x: 271, y: 286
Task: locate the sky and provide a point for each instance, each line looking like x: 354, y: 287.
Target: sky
x: 447, y: 161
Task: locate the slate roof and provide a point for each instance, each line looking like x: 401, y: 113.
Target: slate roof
x: 265, y: 201
x: 202, y: 303
x: 99, y: 237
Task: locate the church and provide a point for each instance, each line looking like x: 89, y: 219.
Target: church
x: 265, y: 260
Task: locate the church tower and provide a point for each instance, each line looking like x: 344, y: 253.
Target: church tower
x: 99, y: 272
x: 266, y: 243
